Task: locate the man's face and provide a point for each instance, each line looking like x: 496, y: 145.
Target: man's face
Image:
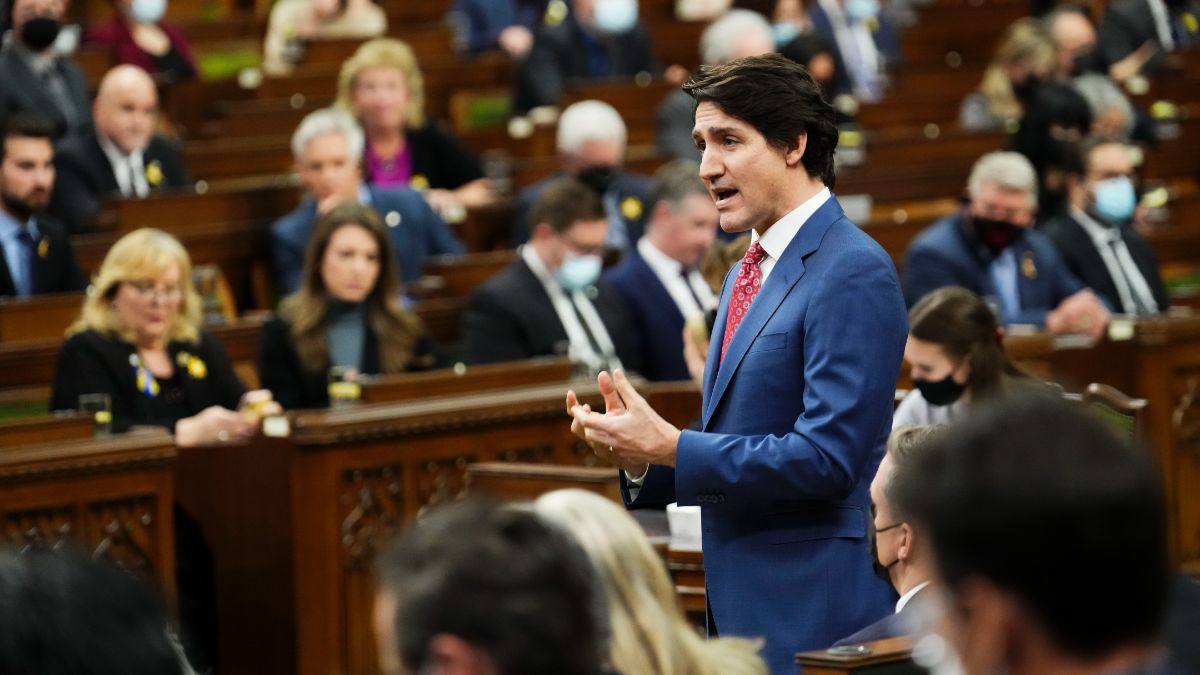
x: 595, y: 154
x: 327, y: 169
x: 747, y: 177
x: 1073, y: 36
x: 24, y: 10
x: 126, y: 114
x: 1107, y: 162
x: 687, y: 229
x: 27, y: 172
x: 997, y: 203
x: 584, y: 237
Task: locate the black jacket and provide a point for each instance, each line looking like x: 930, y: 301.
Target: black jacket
x: 93, y: 363
x: 84, y: 177
x: 57, y: 268
x: 439, y: 160
x: 511, y: 318
x: 23, y: 92
x: 1083, y: 259
x: 294, y: 388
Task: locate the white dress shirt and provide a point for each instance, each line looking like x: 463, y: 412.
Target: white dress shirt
x: 909, y: 595
x: 580, y: 347
x: 670, y: 273
x: 779, y: 235
x: 129, y: 169
x: 857, y: 47
x: 1162, y: 24
x: 1121, y: 267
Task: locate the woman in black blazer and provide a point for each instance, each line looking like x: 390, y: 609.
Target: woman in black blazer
x: 138, y: 340
x: 347, y: 314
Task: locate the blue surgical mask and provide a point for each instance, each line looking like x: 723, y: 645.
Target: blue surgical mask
x: 862, y: 10
x: 784, y: 32
x: 578, y: 271
x: 147, y: 11
x: 1115, y: 199
x: 614, y: 17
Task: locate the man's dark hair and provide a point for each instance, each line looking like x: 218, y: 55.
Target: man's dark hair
x: 65, y: 614
x: 1080, y: 154
x: 23, y: 125
x: 780, y: 99
x: 564, y: 202
x: 675, y: 180
x: 502, y: 580
x: 1044, y: 499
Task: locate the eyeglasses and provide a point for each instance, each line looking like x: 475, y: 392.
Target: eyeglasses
x: 147, y: 291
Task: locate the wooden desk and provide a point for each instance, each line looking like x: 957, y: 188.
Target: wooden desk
x: 886, y: 657
x: 467, y: 380
x: 112, y: 497
x: 38, y: 318
x: 520, y: 481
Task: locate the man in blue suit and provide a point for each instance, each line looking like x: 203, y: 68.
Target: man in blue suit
x: 328, y: 146
x: 991, y: 249
x: 864, y: 44
x: 658, y: 280
x: 799, y: 381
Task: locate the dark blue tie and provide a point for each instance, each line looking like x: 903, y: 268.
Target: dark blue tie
x: 29, y: 256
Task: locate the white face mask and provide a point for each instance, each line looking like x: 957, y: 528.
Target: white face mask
x: 578, y: 271
x: 615, y: 17
x: 147, y: 11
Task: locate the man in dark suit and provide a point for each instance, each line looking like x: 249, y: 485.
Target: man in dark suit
x: 34, y: 77
x: 990, y: 249
x: 583, y: 40
x: 37, y: 255
x: 894, y: 539
x: 328, y: 146
x: 121, y: 158
x: 1147, y: 30
x: 1096, y: 237
x: 591, y: 147
x: 551, y: 300
x: 864, y: 44
x: 658, y: 280
x: 799, y: 383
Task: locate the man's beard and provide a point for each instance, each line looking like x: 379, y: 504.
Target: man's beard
x: 21, y: 209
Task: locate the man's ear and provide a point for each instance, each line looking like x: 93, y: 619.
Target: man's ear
x: 541, y: 232
x: 452, y: 655
x: 905, y: 550
x: 794, y: 155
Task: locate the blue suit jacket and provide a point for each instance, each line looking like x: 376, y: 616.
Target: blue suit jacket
x: 890, y: 626
x: 417, y: 234
x: 625, y: 186
x: 887, y: 43
x: 795, y: 420
x: 946, y: 254
x: 657, y: 321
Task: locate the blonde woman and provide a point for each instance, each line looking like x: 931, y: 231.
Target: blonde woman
x: 649, y: 633
x: 138, y: 340
x: 383, y: 87
x: 1024, y: 58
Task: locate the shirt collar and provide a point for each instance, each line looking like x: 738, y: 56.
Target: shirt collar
x: 531, y: 258
x: 661, y: 263
x: 779, y: 235
x: 364, y: 194
x: 1098, y: 232
x: 909, y: 595
x: 10, y: 227
x: 114, y: 154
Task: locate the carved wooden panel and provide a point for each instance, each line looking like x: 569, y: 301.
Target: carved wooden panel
x: 538, y: 454
x: 441, y: 480
x: 39, y: 529
x: 1185, y: 412
x: 372, y: 508
x: 125, y: 532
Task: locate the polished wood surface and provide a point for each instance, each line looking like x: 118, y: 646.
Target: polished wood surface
x: 882, y: 657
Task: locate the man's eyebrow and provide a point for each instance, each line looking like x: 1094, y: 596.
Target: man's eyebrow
x: 714, y: 131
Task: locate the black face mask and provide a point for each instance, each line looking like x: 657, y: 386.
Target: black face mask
x: 1026, y: 89
x: 881, y: 570
x: 943, y: 392
x: 39, y: 32
x: 599, y: 178
x: 16, y: 208
x: 997, y: 235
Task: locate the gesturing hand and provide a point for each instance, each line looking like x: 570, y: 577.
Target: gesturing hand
x: 629, y: 432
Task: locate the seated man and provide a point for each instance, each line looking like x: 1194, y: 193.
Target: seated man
x: 37, y: 252
x: 738, y: 33
x: 121, y: 157
x: 659, y: 280
x: 1079, y: 64
x: 591, y: 147
x: 864, y: 44
x: 328, y: 147
x: 498, y: 24
x: 479, y: 589
x: 893, y: 537
x: 1096, y: 237
x: 550, y: 301
x: 34, y: 77
x: 990, y: 249
x: 1146, y: 32
x: 583, y: 40
x: 1048, y: 536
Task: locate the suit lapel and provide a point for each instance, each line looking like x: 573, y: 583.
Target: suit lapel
x: 7, y: 287
x: 106, y: 179
x: 787, y: 272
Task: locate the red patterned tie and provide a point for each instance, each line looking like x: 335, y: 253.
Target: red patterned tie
x: 745, y: 287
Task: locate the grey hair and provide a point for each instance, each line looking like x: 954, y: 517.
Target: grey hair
x: 675, y: 180
x: 588, y: 121
x: 905, y: 445
x: 1006, y: 170
x: 718, y: 41
x: 1102, y: 95
x: 329, y: 121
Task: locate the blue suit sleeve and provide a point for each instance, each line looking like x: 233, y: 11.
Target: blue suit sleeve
x: 925, y: 271
x: 439, y: 239
x: 853, y: 338
x: 289, y: 260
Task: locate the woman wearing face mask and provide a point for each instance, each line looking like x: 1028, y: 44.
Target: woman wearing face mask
x: 1024, y: 58
x: 955, y: 357
x: 138, y: 36
x: 383, y: 87
x: 347, y: 314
